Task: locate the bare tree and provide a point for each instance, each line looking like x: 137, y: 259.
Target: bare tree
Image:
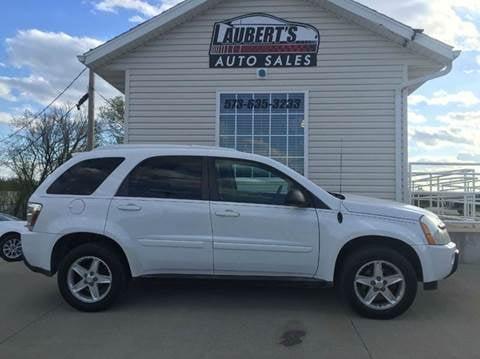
x: 111, y: 121
x: 45, y: 143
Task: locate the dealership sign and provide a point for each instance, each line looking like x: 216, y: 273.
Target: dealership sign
x: 262, y: 40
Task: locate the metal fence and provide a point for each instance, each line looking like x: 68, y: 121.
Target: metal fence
x: 451, y: 190
x: 8, y: 201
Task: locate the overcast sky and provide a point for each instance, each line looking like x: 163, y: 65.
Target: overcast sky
x: 39, y: 42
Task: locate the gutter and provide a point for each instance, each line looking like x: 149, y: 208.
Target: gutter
x: 418, y: 81
x: 401, y: 125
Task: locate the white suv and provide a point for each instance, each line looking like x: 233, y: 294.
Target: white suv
x: 134, y: 211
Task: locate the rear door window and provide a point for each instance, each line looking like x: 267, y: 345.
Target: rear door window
x: 85, y: 177
x: 172, y: 177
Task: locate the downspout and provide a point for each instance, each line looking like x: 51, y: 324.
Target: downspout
x: 401, y: 126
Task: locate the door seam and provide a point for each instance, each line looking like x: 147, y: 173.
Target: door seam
x: 213, y: 237
x: 107, y: 216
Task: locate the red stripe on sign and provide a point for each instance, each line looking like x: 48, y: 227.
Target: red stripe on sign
x: 266, y: 49
x: 301, y: 48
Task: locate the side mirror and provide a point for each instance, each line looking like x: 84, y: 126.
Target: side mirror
x: 296, y: 198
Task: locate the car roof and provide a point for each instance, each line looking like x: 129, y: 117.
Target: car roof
x: 156, y: 147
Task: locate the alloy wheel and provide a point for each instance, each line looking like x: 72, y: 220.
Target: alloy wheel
x: 379, y: 285
x: 89, y: 279
x: 12, y: 248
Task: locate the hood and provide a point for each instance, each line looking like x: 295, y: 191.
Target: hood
x: 16, y: 226
x: 383, y: 208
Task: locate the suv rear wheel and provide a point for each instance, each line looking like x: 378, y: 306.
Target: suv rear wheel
x: 91, y: 277
x: 378, y: 282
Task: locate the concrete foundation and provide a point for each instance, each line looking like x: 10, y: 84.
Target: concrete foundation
x: 469, y: 245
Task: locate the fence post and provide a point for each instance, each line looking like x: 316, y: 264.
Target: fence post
x: 431, y: 190
x: 410, y: 186
x: 474, y: 185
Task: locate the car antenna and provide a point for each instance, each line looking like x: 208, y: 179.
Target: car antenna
x: 341, y: 164
x: 339, y: 214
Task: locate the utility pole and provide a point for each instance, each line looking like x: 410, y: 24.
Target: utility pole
x: 91, y: 111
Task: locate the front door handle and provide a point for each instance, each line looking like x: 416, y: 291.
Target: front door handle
x: 227, y: 213
x: 129, y: 207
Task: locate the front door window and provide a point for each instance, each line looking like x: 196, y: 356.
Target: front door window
x: 248, y: 182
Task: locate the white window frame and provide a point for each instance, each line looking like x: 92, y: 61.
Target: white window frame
x: 268, y: 91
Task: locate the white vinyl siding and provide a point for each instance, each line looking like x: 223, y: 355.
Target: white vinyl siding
x: 351, y: 93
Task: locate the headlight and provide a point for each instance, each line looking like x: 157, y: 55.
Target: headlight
x: 435, y: 231
x: 33, y: 211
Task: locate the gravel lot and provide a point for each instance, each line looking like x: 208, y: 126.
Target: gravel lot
x: 206, y: 319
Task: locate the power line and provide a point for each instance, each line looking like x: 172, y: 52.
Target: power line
x: 16, y: 132
x: 39, y: 137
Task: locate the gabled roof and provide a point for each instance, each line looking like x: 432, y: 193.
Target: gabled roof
x: 415, y: 39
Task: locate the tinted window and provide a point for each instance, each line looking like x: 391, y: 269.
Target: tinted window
x: 165, y: 177
x: 85, y: 177
x: 249, y: 182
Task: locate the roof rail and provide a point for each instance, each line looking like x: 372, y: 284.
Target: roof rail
x: 159, y: 146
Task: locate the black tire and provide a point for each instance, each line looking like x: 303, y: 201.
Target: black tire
x: 113, y: 261
x: 360, y: 259
x: 6, y: 257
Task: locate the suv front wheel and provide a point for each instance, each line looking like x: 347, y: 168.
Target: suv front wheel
x: 378, y: 282
x: 91, y: 277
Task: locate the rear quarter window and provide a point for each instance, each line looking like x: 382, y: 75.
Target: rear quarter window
x: 85, y: 177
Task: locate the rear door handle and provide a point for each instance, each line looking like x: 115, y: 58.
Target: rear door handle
x: 227, y: 213
x: 129, y: 207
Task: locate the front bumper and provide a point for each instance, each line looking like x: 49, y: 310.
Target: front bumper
x: 438, y: 262
x: 434, y: 285
x: 455, y: 263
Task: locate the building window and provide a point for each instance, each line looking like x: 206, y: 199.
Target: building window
x: 267, y: 124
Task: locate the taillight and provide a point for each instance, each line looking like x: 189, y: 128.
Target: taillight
x: 33, y: 211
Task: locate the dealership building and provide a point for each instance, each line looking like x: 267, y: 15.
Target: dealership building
x: 321, y: 86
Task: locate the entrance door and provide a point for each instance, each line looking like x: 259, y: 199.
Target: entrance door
x: 255, y: 232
